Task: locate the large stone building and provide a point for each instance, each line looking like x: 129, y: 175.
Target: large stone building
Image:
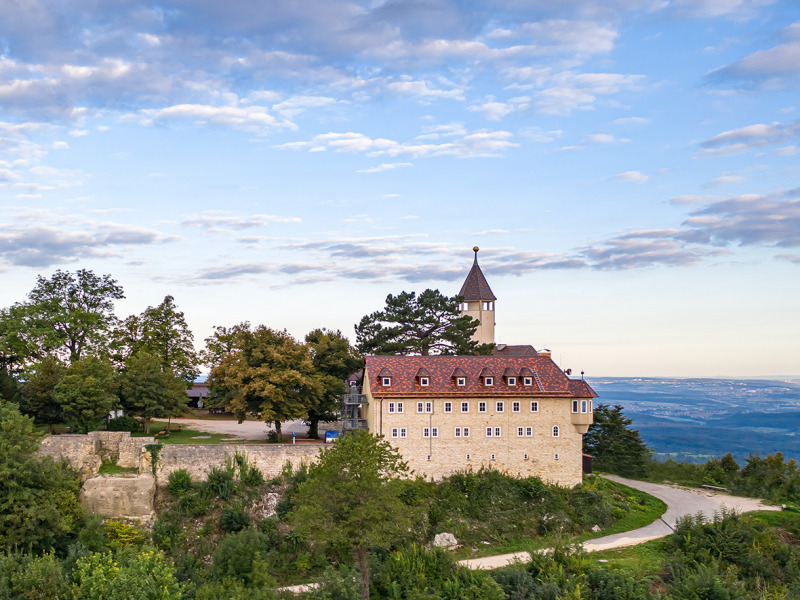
x: 515, y: 410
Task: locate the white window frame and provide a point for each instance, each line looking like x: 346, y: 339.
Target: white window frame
x: 403, y: 432
x: 481, y: 407
x: 574, y: 406
x: 516, y: 406
x: 429, y: 407
x: 529, y: 431
x: 556, y: 431
x: 556, y: 456
x: 520, y: 432
x: 497, y: 432
x: 386, y: 381
x: 448, y: 407
x: 461, y: 381
x: 499, y: 406
x: 469, y: 457
x: 584, y: 406
x: 457, y: 432
x: 465, y: 407
x: 493, y: 457
x: 424, y: 381
x: 512, y: 381
x: 399, y: 407
x: 465, y: 432
x: 434, y: 432
x: 420, y: 407
x: 527, y: 381
x: 534, y: 406
x: 395, y: 431
x: 391, y: 408
x: 489, y: 431
x: 488, y: 381
x: 426, y: 432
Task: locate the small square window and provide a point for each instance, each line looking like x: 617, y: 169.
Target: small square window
x: 386, y: 381
x: 489, y: 432
x: 429, y: 456
x: 512, y: 381
x: 515, y: 406
x: 526, y: 457
x: 465, y: 407
x: 420, y: 407
x: 499, y: 406
x: 391, y: 407
x: 469, y: 457
x: 461, y: 381
x: 528, y: 431
x: 424, y: 381
x: 429, y: 407
x: 527, y: 381
x: 402, y: 432
x: 465, y: 431
x: 534, y: 406
x: 399, y: 407
x: 496, y: 432
x: 448, y: 407
x: 394, y: 432
x: 488, y: 381
x: 556, y: 456
x: 458, y: 432
x: 493, y: 458
x: 481, y: 406
x: 520, y: 432
x: 435, y: 432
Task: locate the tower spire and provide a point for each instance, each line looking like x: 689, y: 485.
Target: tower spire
x: 475, y: 250
x: 478, y: 302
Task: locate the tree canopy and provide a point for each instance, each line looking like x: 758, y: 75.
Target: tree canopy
x: 352, y: 497
x: 87, y: 392
x: 149, y: 391
x: 614, y: 445
x: 430, y: 323
x: 38, y: 393
x: 268, y: 373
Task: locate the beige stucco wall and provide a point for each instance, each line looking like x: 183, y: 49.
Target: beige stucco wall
x: 484, y: 334
x: 448, y: 454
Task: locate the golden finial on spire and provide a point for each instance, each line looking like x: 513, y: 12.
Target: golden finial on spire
x: 475, y: 250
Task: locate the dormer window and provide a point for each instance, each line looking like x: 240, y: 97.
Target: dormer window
x: 461, y: 381
x: 424, y: 381
x: 459, y: 377
x: 386, y: 381
x: 423, y: 377
x: 488, y: 381
x: 527, y: 381
x: 512, y: 381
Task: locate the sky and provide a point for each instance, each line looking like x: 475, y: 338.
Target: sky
x: 630, y: 169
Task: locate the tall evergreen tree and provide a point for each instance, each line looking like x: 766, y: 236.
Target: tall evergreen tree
x: 430, y: 323
x: 616, y: 447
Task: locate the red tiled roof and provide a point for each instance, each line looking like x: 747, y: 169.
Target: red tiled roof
x: 443, y: 370
x: 475, y: 286
x: 506, y: 350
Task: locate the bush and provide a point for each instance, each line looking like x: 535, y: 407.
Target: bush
x: 233, y: 519
x: 125, y: 423
x: 236, y: 553
x: 34, y: 578
x: 220, y: 482
x: 179, y: 483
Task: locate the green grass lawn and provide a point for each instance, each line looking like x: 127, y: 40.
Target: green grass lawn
x: 108, y: 468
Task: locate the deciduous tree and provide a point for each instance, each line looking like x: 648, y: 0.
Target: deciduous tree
x: 615, y: 446
x: 268, y: 373
x: 148, y: 391
x: 352, y: 498
x: 87, y: 392
x: 430, y: 323
x: 335, y: 360
x: 38, y: 393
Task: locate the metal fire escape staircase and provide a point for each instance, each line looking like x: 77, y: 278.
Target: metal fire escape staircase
x: 352, y: 401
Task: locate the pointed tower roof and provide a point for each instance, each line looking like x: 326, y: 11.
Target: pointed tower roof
x: 475, y: 286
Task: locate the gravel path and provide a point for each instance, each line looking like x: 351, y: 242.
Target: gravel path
x: 248, y: 430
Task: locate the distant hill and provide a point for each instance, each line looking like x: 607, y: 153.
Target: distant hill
x: 697, y: 419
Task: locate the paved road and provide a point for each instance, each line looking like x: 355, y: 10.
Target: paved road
x: 679, y: 501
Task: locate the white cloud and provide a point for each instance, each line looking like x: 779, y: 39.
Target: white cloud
x: 60, y: 146
x: 255, y: 119
x: 384, y: 167
x: 600, y: 138
x: 631, y: 177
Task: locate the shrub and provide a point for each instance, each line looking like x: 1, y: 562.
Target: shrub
x: 131, y: 574
x: 39, y: 578
x: 220, y: 481
x: 121, y: 534
x: 233, y: 519
x: 126, y: 423
x: 179, y: 483
x: 236, y: 553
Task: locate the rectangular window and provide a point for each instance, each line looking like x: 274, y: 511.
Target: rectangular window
x: 458, y: 432
x: 493, y: 458
x: 426, y: 432
x: 429, y: 407
x: 420, y: 406
x: 465, y: 407
x: 584, y: 405
x: 489, y: 432
x: 512, y: 381
x: 434, y: 432
x: 468, y: 456
x: 520, y: 432
x: 481, y: 406
x: 515, y: 406
x: 556, y: 456
x: 387, y: 381
x: 534, y: 406
x: 402, y: 432
x: 527, y: 381
x: 555, y: 431
x: 496, y: 432
x: 391, y: 408
x: 499, y: 406
x: 399, y: 407
x: 461, y: 381
x: 488, y: 381
x: 574, y: 406
x: 394, y: 432
x: 465, y: 431
x: 424, y: 381
x: 448, y: 407
x: 528, y: 431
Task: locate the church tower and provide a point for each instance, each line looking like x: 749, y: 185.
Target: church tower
x: 479, y: 302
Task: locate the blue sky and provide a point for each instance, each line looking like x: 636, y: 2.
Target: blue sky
x: 629, y: 168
